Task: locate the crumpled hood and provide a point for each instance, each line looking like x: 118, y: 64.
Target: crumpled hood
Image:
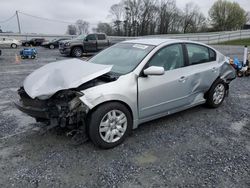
x: 61, y: 75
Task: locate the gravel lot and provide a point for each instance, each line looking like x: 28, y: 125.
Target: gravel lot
x: 199, y: 147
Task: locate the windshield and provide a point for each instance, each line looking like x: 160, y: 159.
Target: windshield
x: 80, y: 37
x: 123, y: 56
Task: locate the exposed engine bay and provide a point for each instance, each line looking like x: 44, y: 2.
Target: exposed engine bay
x: 64, y: 108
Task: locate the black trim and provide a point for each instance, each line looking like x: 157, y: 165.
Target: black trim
x: 185, y: 54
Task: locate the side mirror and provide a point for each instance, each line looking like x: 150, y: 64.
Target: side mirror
x: 154, y: 70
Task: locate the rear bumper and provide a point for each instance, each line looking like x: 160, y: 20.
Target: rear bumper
x: 33, y: 112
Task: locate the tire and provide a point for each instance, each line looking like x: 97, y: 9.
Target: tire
x: 77, y: 52
x: 13, y: 46
x: 247, y: 73
x: 240, y: 74
x: 216, y: 94
x: 103, y: 117
x: 51, y: 46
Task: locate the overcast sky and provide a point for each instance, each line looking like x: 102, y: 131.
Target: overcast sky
x: 92, y: 11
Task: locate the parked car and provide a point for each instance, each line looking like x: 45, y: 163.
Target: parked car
x: 0, y: 52
x: 9, y: 42
x: 90, y: 43
x: 54, y: 43
x: 33, y: 42
x: 125, y: 85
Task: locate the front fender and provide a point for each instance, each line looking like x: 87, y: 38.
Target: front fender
x: 123, y: 90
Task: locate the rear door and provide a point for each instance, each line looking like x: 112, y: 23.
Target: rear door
x: 160, y: 94
x: 102, y: 41
x: 203, y: 69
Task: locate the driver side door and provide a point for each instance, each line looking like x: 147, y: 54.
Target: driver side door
x: 90, y: 43
x: 158, y: 95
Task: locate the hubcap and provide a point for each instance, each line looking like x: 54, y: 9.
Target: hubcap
x: 113, y: 126
x: 78, y: 53
x: 219, y: 93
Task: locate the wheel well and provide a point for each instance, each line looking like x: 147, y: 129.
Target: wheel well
x: 123, y: 103
x: 217, y: 79
x: 76, y: 47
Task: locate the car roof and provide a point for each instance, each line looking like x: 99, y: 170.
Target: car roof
x: 152, y: 41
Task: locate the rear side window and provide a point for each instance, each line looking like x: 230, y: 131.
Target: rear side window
x: 101, y: 37
x: 197, y: 54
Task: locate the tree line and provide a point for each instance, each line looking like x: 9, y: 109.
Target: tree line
x: 150, y: 17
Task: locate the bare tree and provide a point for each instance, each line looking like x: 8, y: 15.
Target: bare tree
x: 104, y: 28
x: 82, y: 27
x: 116, y: 13
x: 192, y: 18
x: 167, y: 12
x: 71, y: 30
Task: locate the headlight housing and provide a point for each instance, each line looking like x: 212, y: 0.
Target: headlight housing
x: 67, y: 44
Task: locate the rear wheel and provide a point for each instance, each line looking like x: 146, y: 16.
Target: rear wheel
x: 77, y: 52
x: 216, y: 94
x: 110, y: 124
x: 51, y: 46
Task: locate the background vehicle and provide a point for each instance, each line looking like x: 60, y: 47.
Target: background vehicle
x: 33, y: 42
x: 28, y: 53
x: 54, y: 43
x: 9, y: 42
x: 125, y: 85
x: 0, y: 52
x: 91, y: 43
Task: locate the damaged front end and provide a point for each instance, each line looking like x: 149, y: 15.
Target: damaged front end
x: 63, y: 109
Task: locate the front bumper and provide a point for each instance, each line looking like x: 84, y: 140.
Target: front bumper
x: 33, y: 111
x: 65, y: 51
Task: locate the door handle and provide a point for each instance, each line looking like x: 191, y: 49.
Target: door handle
x: 182, y: 79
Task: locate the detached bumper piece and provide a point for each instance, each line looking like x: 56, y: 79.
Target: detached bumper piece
x: 32, y: 111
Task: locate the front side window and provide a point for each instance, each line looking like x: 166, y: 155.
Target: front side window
x: 170, y: 57
x: 91, y: 37
x: 124, y: 57
x: 197, y: 54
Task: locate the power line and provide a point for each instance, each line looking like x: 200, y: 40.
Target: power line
x: 3, y: 21
x: 49, y: 19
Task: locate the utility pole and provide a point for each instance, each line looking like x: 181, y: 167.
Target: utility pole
x: 18, y: 22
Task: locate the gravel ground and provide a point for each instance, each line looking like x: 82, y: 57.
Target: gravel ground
x: 198, y: 147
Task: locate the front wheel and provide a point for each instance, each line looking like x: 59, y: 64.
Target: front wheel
x: 216, y: 94
x: 13, y: 46
x: 109, y: 125
x: 77, y: 52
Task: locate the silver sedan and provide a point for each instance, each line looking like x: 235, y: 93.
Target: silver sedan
x: 125, y: 85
